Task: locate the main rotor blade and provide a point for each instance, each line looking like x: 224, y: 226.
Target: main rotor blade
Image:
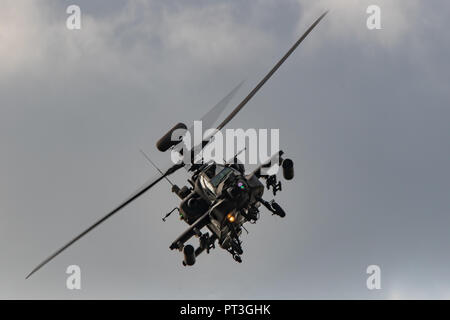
x: 209, y: 118
x: 271, y: 72
x: 130, y: 199
x: 212, y: 115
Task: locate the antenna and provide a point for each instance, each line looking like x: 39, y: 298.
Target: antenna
x: 154, y: 165
x: 235, y: 156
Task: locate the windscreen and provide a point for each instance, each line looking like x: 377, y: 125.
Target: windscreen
x: 215, y: 181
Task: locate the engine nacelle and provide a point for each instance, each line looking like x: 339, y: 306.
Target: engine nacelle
x: 166, y: 141
x: 189, y: 255
x: 288, y: 169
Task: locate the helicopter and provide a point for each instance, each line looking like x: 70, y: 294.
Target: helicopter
x: 220, y: 197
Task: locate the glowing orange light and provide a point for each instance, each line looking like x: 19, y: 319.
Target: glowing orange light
x: 230, y: 217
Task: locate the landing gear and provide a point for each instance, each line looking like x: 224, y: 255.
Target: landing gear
x: 207, y: 242
x: 235, y: 255
x: 234, y: 246
x: 273, y: 207
x: 277, y: 209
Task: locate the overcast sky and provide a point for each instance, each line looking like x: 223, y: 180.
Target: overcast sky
x: 363, y: 113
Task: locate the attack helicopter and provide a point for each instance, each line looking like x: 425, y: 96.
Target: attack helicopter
x: 219, y: 197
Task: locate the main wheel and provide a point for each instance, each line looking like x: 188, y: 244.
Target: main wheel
x: 278, y: 210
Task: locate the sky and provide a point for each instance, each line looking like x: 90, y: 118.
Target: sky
x: 363, y: 114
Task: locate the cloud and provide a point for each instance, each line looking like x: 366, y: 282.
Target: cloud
x: 347, y: 19
x: 77, y: 106
x: 20, y: 25
x: 34, y: 36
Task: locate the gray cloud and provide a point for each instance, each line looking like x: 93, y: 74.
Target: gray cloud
x: 364, y: 114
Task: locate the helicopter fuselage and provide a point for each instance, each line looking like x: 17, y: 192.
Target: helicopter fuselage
x: 227, y: 196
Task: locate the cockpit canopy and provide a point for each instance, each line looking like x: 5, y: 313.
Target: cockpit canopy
x: 212, y: 176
